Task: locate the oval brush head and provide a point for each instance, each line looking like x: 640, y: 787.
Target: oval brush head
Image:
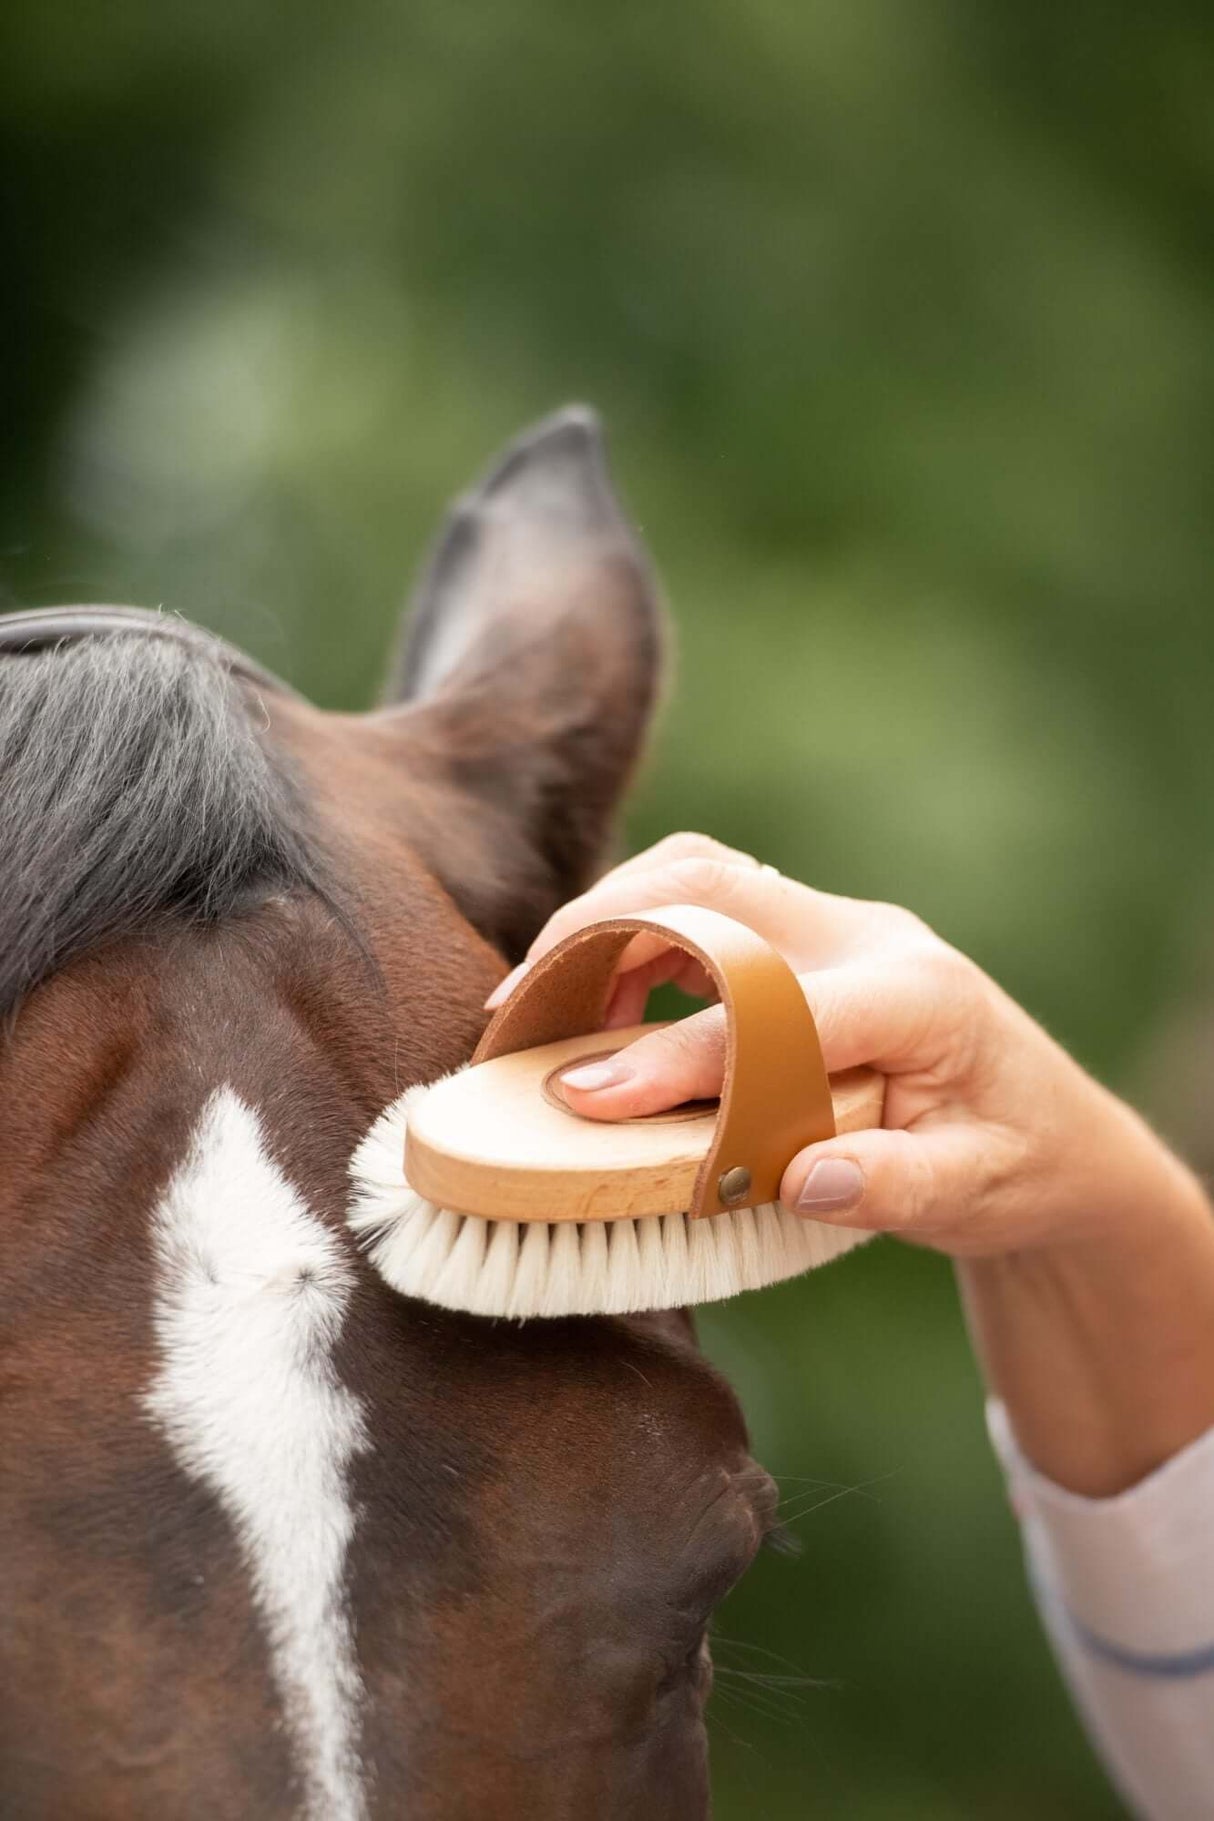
x: 595, y: 1265
x: 509, y: 1204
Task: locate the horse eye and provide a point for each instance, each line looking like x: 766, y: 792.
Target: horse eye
x: 694, y: 1665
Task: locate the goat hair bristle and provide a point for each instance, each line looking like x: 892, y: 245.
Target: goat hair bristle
x: 522, y: 1269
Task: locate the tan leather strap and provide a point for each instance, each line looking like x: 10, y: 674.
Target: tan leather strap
x: 776, y: 1097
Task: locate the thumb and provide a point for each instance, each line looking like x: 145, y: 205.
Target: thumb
x: 686, y: 1061
x: 907, y: 1182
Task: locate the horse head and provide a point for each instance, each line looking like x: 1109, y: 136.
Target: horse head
x: 275, y: 1541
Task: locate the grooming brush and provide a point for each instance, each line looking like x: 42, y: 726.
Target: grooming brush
x: 510, y: 1204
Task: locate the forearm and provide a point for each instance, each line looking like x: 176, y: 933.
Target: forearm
x: 1102, y: 1349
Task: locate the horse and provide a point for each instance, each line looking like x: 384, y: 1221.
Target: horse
x: 273, y: 1540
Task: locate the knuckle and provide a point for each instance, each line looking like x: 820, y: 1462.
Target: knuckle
x: 908, y: 1192
x: 693, y: 1041
x: 907, y: 926
x: 687, y: 845
x: 562, y: 923
x: 949, y: 973
x: 921, y: 1185
x: 934, y: 986
x: 701, y: 876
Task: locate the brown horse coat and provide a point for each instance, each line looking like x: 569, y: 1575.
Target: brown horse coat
x: 274, y: 1542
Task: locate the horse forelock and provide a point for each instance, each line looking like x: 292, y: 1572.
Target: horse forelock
x: 134, y: 784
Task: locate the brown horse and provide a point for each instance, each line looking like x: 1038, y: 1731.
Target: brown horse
x: 274, y: 1542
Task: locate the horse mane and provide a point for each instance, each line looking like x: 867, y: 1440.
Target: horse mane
x: 133, y: 786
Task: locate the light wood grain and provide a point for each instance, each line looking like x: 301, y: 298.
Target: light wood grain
x: 487, y: 1141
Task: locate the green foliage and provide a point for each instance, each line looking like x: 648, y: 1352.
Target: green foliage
x: 901, y: 318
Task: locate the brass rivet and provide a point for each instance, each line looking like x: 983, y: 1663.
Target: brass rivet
x: 734, y: 1186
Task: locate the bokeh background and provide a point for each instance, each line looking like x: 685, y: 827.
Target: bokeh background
x: 900, y: 314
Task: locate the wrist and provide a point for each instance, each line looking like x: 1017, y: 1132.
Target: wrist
x: 1101, y: 1344
x: 1128, y: 1186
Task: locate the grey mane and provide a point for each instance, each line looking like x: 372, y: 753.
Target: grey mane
x: 133, y: 786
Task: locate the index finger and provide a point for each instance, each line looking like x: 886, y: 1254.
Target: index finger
x: 811, y: 926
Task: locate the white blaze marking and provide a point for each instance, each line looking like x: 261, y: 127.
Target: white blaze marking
x: 250, y: 1300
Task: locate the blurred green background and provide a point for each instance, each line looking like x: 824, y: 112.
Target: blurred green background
x: 901, y: 317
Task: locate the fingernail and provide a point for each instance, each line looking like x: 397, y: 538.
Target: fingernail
x: 835, y: 1182
x: 596, y: 1075
x: 505, y: 987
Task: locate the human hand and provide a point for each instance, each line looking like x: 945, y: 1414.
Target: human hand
x: 994, y: 1139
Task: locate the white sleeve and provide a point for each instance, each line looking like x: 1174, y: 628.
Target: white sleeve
x: 1125, y: 1589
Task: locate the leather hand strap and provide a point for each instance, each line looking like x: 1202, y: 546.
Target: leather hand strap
x: 776, y: 1096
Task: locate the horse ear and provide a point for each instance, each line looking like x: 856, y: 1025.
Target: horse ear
x: 526, y: 678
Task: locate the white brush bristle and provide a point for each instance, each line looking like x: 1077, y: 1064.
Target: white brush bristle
x: 599, y: 1267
